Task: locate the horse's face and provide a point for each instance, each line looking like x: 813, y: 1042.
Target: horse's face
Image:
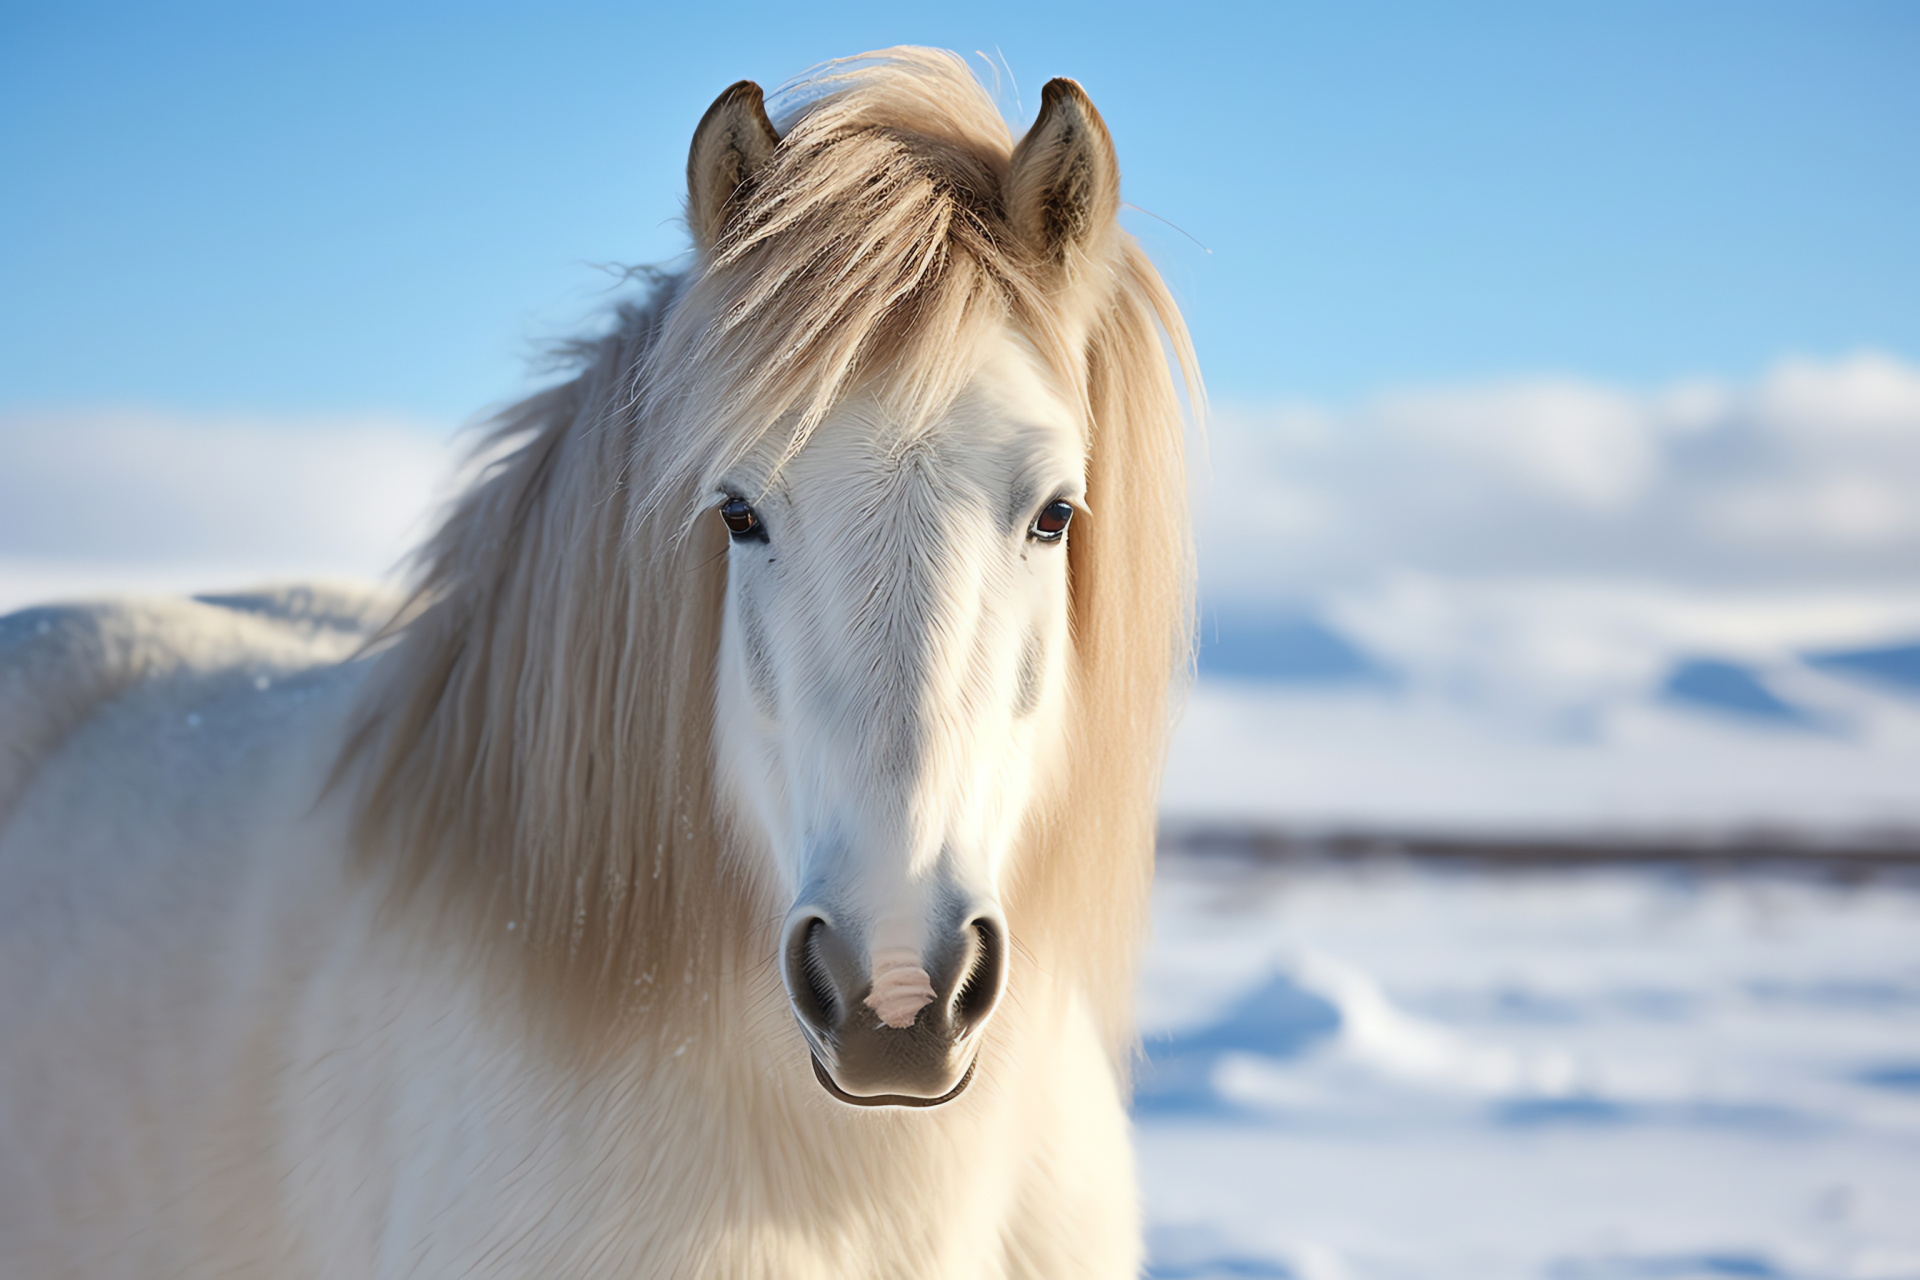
x: 892, y: 690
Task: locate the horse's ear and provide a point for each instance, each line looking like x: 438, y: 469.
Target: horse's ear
x: 733, y: 141
x: 1063, y: 192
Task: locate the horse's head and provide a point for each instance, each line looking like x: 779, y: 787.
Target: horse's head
x: 895, y: 669
x: 804, y: 514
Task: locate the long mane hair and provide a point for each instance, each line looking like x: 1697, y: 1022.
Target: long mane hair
x: 532, y: 760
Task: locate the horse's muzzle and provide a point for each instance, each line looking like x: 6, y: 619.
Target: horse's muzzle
x: 907, y: 1036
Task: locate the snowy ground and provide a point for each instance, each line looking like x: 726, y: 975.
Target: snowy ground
x: 1641, y: 764
x: 1384, y: 1070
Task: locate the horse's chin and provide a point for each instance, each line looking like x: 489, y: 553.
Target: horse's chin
x: 826, y: 1080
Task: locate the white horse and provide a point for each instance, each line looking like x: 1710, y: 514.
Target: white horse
x: 731, y: 860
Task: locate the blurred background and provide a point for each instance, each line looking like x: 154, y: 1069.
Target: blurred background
x: 1537, y: 898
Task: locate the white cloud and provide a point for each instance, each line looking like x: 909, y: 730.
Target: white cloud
x: 1560, y: 440
x: 129, y: 500
x: 1869, y: 395
x: 143, y: 485
x: 1809, y: 475
x: 1840, y: 508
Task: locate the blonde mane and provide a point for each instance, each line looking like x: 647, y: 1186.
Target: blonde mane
x: 533, y: 755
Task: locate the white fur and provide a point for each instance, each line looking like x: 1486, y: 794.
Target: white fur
x: 221, y: 1059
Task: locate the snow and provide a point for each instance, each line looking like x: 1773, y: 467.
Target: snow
x: 1380, y: 1069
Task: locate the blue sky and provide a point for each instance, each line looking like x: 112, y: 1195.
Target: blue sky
x: 349, y: 208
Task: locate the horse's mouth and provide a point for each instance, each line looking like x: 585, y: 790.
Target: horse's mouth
x: 825, y: 1078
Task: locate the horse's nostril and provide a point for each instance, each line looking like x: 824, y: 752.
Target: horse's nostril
x: 986, y: 975
x: 851, y: 998
x: 808, y: 983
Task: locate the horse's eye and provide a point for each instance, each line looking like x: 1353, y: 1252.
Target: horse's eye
x: 1051, y: 524
x: 741, y: 522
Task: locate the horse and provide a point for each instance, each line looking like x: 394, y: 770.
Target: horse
x: 730, y: 855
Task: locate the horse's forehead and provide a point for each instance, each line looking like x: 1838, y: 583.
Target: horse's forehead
x: 1009, y: 428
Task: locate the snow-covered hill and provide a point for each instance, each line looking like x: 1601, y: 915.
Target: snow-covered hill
x: 1561, y: 708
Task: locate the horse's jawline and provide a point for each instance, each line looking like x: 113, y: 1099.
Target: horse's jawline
x: 889, y: 1099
